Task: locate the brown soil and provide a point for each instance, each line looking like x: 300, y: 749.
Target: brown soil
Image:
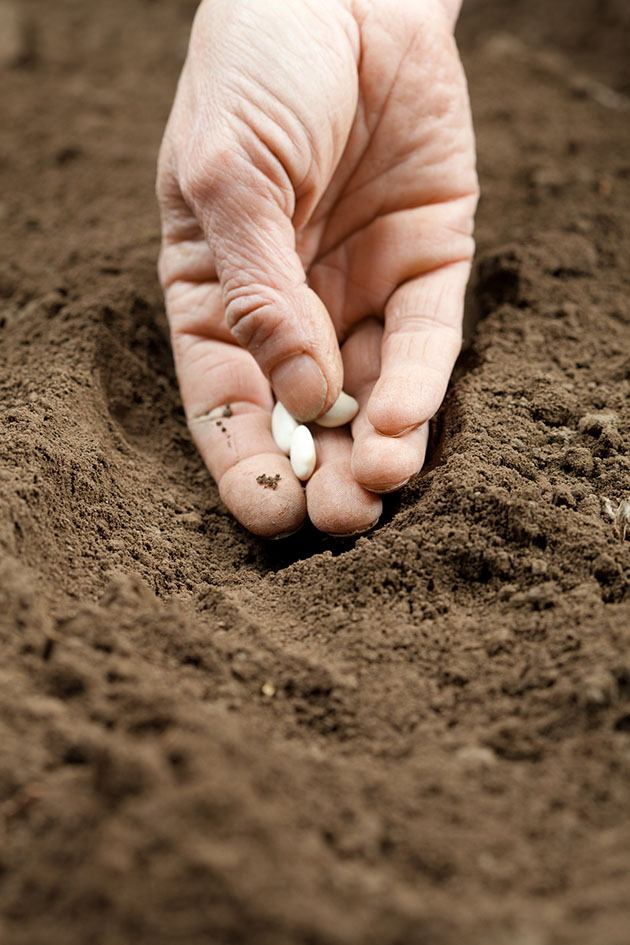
x: 421, y: 737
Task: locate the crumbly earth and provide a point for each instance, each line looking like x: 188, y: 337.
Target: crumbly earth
x: 421, y: 736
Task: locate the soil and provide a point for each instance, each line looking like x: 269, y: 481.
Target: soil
x: 421, y: 736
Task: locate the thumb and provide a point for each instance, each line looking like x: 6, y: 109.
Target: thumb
x: 269, y: 308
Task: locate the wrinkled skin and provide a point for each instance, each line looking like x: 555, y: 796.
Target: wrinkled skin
x: 317, y: 187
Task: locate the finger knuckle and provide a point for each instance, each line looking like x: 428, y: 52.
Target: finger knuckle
x: 252, y: 317
x: 204, y: 174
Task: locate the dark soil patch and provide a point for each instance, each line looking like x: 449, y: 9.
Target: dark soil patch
x: 421, y: 736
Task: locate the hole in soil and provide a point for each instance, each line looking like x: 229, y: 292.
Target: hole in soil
x: 308, y: 542
x: 497, y: 280
x: 137, y: 378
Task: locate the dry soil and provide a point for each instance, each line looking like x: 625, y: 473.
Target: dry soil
x: 420, y: 737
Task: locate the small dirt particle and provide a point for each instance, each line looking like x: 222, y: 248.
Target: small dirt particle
x: 190, y: 518
x: 268, y: 482
x: 563, y: 496
x: 476, y: 757
x: 538, y: 566
x: 598, y: 689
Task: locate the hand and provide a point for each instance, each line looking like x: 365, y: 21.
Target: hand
x: 317, y: 188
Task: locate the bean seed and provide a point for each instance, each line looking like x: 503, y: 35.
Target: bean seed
x: 283, y: 426
x: 302, y: 453
x: 343, y: 410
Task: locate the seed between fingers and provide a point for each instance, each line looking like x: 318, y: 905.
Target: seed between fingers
x: 344, y: 409
x: 303, y: 456
x: 283, y: 426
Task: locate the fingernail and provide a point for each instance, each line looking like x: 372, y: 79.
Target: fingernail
x: 301, y: 386
x: 399, y: 485
x: 395, y: 436
x: 282, y: 535
x: 358, y: 531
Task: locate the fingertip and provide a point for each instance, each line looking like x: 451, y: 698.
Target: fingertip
x: 384, y: 463
x: 338, y: 504
x: 263, y: 494
x: 394, y: 408
x: 403, y: 402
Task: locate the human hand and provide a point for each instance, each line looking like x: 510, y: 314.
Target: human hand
x: 317, y: 188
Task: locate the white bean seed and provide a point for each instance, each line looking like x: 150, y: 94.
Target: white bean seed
x: 303, y: 453
x: 283, y: 426
x: 343, y: 410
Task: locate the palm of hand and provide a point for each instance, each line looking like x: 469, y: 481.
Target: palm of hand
x: 382, y: 224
